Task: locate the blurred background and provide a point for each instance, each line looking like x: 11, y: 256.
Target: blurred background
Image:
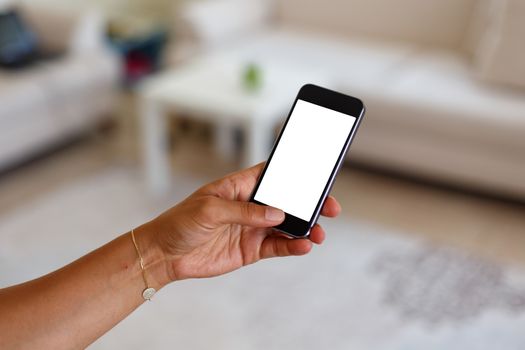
x: 112, y: 111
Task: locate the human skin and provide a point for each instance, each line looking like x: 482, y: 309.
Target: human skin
x: 212, y: 232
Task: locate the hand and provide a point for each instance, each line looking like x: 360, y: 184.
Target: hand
x: 216, y: 230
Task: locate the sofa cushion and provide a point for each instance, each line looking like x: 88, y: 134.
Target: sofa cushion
x: 26, y: 118
x: 81, y: 88
x: 451, y: 102
x: 360, y: 65
x: 217, y: 22
x: 16, y: 89
x: 49, y: 101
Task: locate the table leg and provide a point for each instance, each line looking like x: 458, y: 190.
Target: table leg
x: 155, y: 146
x: 258, y: 139
x: 225, y: 140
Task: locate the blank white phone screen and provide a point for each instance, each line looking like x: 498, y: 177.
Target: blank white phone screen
x: 304, y: 159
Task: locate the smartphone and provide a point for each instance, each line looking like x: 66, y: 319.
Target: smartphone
x: 307, y: 155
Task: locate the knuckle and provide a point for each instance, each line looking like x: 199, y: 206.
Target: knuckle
x: 208, y: 208
x: 279, y: 248
x: 248, y: 211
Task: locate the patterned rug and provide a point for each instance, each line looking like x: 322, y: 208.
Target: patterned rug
x: 366, y: 288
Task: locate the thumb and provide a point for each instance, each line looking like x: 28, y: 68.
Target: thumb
x: 249, y: 214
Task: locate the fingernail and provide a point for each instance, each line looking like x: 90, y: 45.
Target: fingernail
x: 273, y: 214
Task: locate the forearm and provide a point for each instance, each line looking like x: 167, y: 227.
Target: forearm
x: 72, y: 307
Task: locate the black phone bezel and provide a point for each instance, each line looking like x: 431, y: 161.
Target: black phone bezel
x: 292, y: 225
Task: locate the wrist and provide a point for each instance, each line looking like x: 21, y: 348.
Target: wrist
x: 155, y: 261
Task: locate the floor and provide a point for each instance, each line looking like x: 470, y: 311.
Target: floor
x: 489, y: 227
x: 371, y: 286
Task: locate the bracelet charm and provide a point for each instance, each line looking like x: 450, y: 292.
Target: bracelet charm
x: 148, y: 293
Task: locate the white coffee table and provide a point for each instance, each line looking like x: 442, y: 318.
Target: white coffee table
x: 210, y: 88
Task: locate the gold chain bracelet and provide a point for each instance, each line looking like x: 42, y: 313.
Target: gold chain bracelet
x: 148, y: 292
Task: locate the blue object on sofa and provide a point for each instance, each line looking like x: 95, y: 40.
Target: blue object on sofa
x: 18, y: 44
x: 140, y: 55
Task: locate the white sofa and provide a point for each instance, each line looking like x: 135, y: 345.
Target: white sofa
x: 42, y: 105
x: 423, y: 68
